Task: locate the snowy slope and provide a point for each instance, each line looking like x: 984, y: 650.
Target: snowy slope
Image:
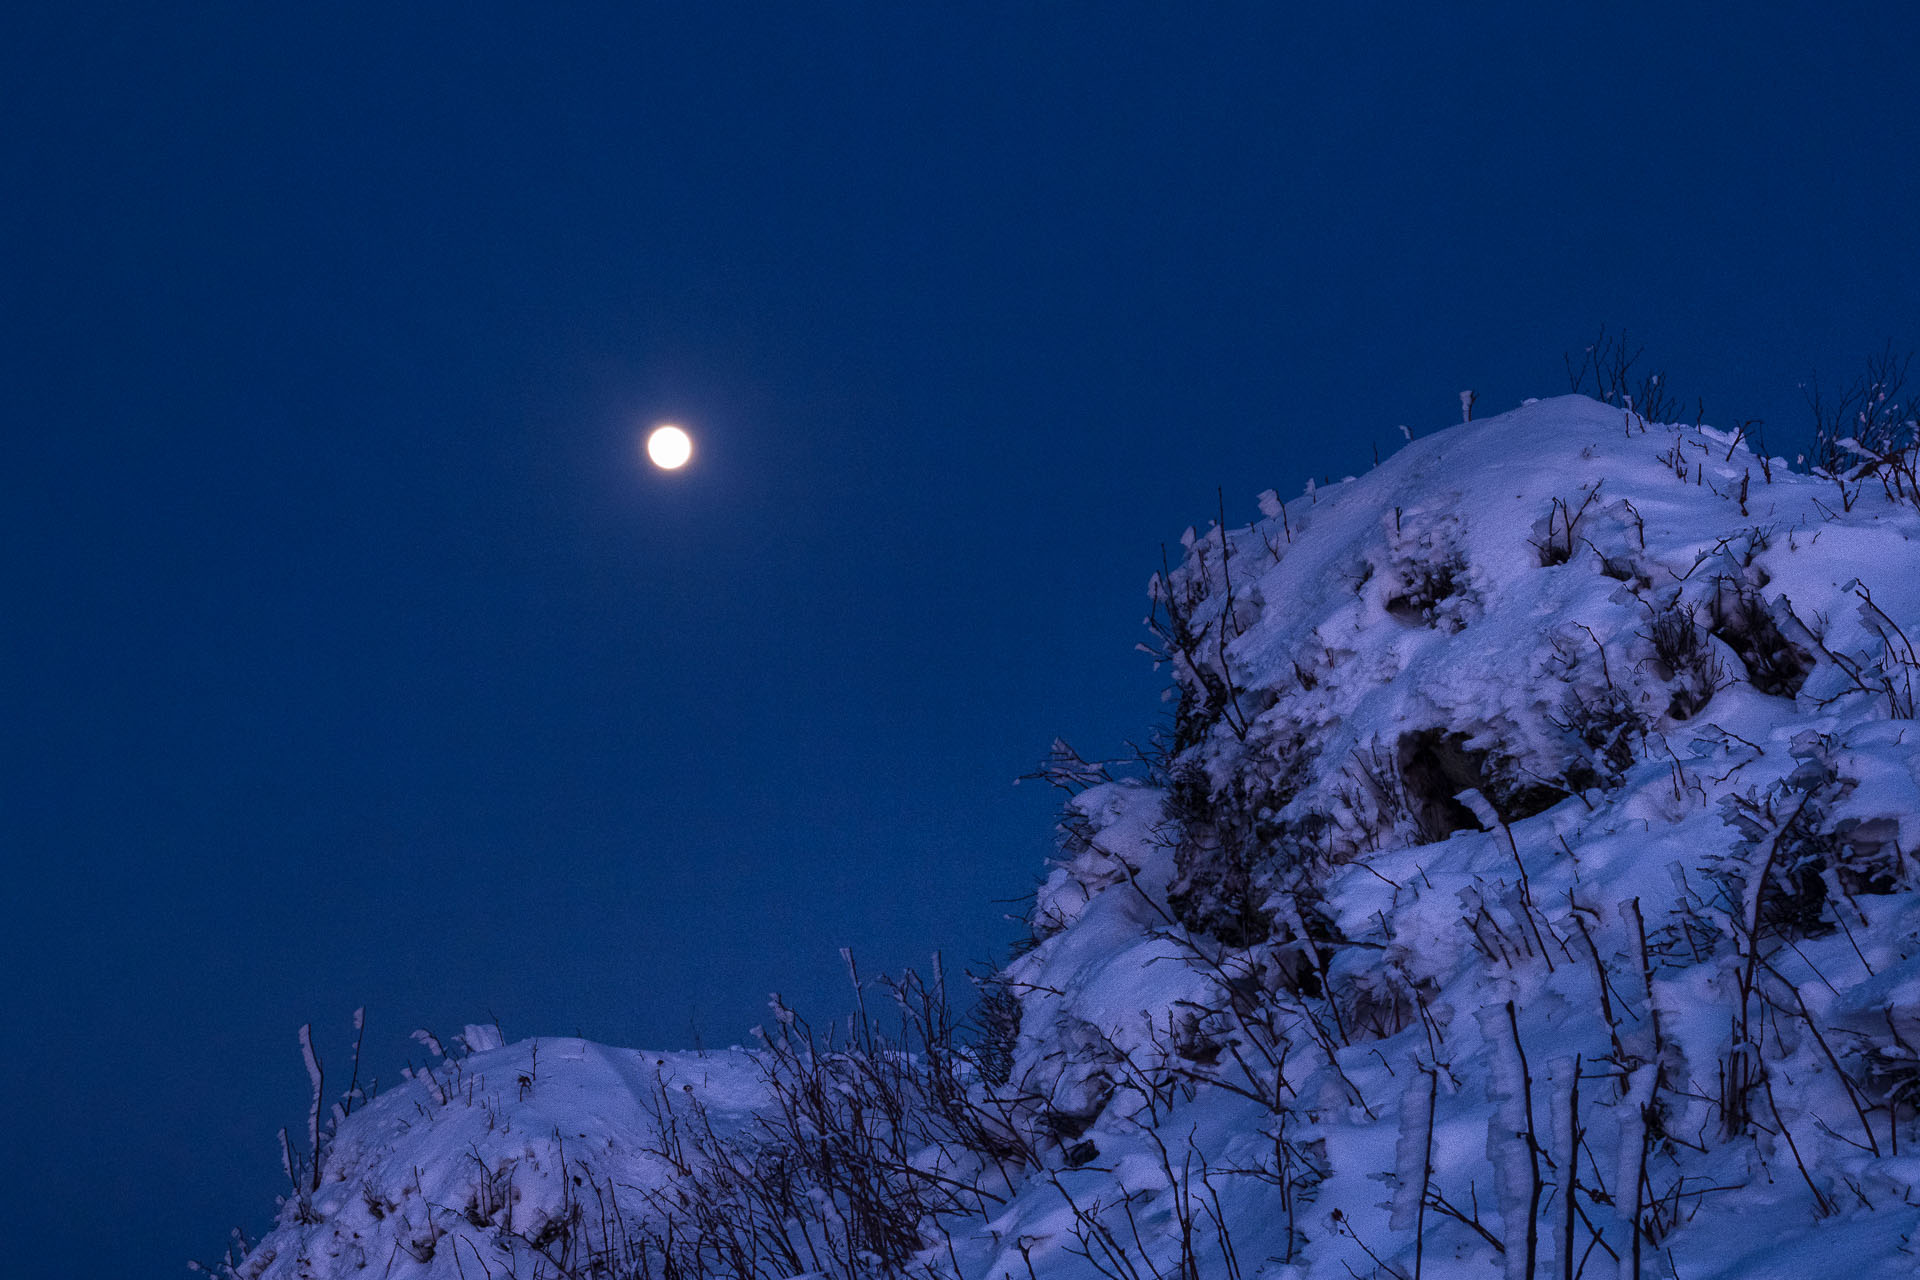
x: 1531, y: 859
x: 1397, y: 641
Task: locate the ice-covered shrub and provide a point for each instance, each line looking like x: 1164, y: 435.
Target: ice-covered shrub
x: 1428, y: 580
x: 1378, y: 1001
x: 1425, y: 587
x: 996, y: 1024
x: 1304, y: 939
x: 1408, y: 792
x: 1197, y: 610
x: 1807, y: 853
x: 869, y: 1146
x: 1604, y: 725
x: 1684, y: 659
x: 1605, y: 370
x: 1556, y: 536
x: 1381, y: 810
x: 1889, y: 1064
x: 1231, y: 840
x: 1225, y: 843
x: 1775, y: 662
x: 1869, y: 431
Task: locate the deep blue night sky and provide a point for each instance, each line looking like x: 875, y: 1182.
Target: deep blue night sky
x: 352, y: 656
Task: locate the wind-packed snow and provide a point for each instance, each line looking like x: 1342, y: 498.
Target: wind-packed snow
x: 1525, y: 886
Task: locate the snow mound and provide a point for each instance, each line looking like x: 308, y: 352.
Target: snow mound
x: 1524, y: 884
x: 483, y: 1164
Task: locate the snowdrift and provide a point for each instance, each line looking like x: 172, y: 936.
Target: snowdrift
x: 1524, y: 885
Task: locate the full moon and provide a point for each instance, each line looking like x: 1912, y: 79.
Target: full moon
x: 669, y: 447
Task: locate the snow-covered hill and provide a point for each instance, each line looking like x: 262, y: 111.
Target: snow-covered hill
x: 1526, y: 887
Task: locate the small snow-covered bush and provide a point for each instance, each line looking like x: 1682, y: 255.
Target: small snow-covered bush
x: 1605, y: 370
x: 1890, y: 1067
x: 1869, y: 431
x: 1428, y: 580
x: 1808, y: 855
x: 996, y: 1024
x: 1556, y: 537
x: 1196, y: 614
x: 1428, y: 591
x: 1684, y: 659
x: 1606, y: 725
x: 1232, y: 842
x: 1774, y: 661
x: 870, y: 1145
x: 1226, y: 841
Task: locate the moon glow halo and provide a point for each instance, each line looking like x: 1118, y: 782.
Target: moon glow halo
x: 669, y: 447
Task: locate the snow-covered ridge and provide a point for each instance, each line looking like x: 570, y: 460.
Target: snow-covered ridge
x: 1527, y: 887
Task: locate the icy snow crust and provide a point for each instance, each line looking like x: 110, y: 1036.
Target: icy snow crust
x: 1528, y: 759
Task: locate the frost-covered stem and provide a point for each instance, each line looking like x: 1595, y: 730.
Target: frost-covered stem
x: 1484, y: 810
x: 1223, y: 1236
x: 1633, y: 1161
x: 1446, y: 1208
x: 1600, y: 984
x: 1637, y: 941
x: 1332, y: 1051
x: 1239, y: 726
x: 1180, y: 1184
x: 1846, y: 1081
x: 318, y: 1078
x: 1526, y: 897
x: 1641, y: 1096
x: 1820, y: 1201
x: 1743, y: 1058
x: 1226, y: 572
x: 1839, y: 889
x: 359, y: 1035
x: 1298, y: 921
x: 1426, y: 1171
x: 1283, y: 1174
x: 1900, y: 702
x: 864, y: 1042
x: 1605, y: 673
x: 1893, y: 1029
x: 1114, y: 1261
x: 1265, y: 541
x: 1572, y: 1174
x: 1533, y: 1145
